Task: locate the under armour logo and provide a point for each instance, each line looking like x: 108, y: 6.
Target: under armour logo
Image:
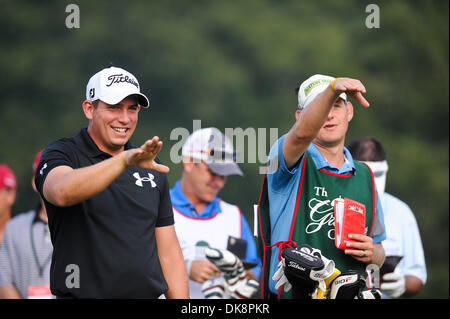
x: 140, y: 179
x: 92, y: 93
x: 42, y: 169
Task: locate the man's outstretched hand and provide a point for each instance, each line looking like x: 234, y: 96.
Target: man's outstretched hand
x: 144, y: 156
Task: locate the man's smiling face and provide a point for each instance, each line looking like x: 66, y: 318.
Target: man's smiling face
x: 111, y: 126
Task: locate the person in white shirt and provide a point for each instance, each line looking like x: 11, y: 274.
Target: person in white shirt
x: 203, y: 219
x: 402, y: 232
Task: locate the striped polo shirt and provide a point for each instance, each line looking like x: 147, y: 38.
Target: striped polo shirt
x: 25, y: 253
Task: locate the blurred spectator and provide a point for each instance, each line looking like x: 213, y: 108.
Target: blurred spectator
x: 8, y: 186
x: 403, y: 237
x: 26, y: 252
x: 202, y: 219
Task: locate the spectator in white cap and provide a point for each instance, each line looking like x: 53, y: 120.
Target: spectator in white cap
x: 312, y: 169
x: 202, y: 219
x: 8, y: 186
x: 108, y: 202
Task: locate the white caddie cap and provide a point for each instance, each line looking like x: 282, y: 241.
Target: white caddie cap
x: 111, y: 85
x: 215, y: 149
x: 314, y: 85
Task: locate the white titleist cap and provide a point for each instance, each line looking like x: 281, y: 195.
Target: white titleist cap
x: 314, y: 85
x: 215, y: 149
x: 112, y: 85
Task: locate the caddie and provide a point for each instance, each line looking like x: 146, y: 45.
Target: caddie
x: 202, y: 219
x: 310, y: 167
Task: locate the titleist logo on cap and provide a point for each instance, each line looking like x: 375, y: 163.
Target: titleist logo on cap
x: 119, y: 78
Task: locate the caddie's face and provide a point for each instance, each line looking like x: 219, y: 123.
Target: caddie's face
x: 335, y: 127
x: 204, y: 183
x: 111, y: 126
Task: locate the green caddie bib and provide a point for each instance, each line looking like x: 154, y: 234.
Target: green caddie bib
x: 313, y: 218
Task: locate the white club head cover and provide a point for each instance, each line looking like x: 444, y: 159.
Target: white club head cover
x: 327, y: 271
x: 243, y: 289
x: 321, y: 275
x: 225, y: 260
x: 369, y: 294
x: 214, y: 288
x: 396, y: 285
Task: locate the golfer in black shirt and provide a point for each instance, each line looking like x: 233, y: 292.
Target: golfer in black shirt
x: 108, y: 203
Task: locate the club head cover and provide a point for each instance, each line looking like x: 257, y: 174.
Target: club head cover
x: 226, y: 261
x: 214, y: 288
x: 298, y: 264
x: 370, y: 294
x: 348, y: 285
x: 243, y: 289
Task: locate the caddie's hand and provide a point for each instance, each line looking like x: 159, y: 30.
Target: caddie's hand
x: 361, y: 249
x: 202, y: 270
x: 352, y: 87
x: 144, y: 156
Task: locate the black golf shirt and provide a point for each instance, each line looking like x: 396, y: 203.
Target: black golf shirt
x: 105, y: 247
